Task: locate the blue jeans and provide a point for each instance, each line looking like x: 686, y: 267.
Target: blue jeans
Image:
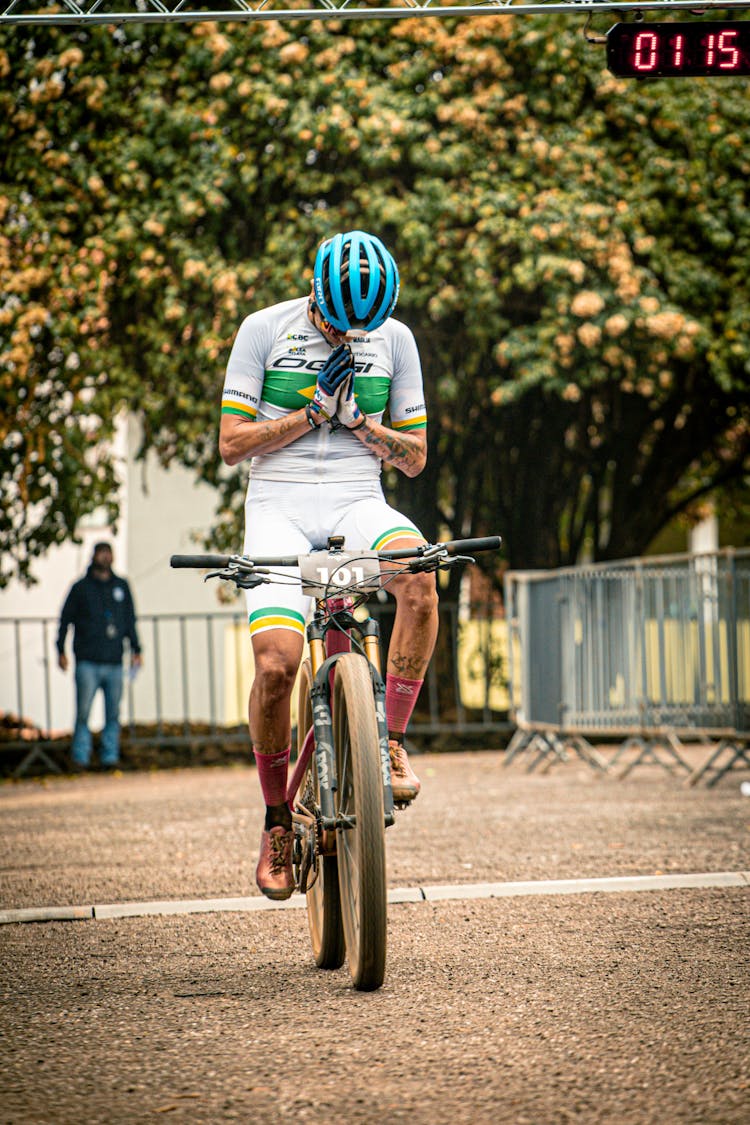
x: 89, y: 678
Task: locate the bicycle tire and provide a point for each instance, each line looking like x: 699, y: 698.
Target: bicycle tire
x: 360, y: 846
x: 323, y: 899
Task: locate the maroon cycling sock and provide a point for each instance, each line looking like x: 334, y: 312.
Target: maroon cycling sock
x: 400, y: 699
x: 272, y: 773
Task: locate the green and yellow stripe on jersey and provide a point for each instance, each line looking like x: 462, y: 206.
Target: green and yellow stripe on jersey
x: 233, y: 406
x: 383, y: 542
x: 276, y: 617
x: 418, y: 422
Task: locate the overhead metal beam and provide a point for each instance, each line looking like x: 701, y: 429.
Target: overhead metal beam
x: 81, y: 12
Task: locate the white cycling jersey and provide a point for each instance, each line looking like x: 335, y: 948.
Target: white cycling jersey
x: 272, y: 371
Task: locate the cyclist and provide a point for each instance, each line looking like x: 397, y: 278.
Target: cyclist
x: 307, y: 385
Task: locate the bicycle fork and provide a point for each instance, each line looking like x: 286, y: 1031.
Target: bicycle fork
x: 323, y: 740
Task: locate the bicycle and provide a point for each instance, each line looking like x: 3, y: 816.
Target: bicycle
x: 340, y: 788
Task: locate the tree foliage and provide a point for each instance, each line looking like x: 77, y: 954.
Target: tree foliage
x: 573, y: 250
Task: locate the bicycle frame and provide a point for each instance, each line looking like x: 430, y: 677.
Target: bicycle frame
x: 319, y: 739
x: 343, y: 765
x: 247, y: 573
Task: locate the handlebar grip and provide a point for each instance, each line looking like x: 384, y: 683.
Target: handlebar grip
x: 468, y: 546
x: 199, y: 562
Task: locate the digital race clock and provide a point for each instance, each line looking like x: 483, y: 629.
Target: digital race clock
x: 671, y: 50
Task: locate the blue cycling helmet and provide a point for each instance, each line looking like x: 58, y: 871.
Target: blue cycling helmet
x: 355, y: 281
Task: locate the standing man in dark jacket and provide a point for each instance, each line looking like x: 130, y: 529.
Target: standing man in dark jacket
x: 100, y: 608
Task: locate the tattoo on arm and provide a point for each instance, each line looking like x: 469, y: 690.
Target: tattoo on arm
x: 404, y: 451
x: 276, y: 430
x: 249, y: 439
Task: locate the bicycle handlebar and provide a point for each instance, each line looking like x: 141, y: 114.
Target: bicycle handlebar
x: 180, y: 562
x: 452, y: 547
x: 208, y: 562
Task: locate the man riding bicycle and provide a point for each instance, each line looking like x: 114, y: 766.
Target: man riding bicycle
x: 307, y: 385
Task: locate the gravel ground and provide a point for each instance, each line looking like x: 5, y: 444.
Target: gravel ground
x: 588, y: 1008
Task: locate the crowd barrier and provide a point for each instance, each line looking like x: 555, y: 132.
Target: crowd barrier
x: 653, y: 651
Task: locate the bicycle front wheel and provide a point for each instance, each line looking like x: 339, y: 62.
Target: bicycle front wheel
x: 360, y: 833
x: 323, y: 903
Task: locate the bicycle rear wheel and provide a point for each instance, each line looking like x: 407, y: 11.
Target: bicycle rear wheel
x: 323, y: 899
x: 361, y: 835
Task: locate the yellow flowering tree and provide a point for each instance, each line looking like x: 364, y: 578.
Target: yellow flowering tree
x: 573, y: 250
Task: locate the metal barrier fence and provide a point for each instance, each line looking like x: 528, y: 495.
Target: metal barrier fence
x: 197, y: 672
x: 633, y: 648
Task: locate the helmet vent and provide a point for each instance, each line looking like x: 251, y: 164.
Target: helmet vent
x: 356, y: 281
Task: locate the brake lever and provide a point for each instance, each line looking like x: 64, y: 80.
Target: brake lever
x: 217, y: 574
x: 440, y: 562
x: 428, y: 562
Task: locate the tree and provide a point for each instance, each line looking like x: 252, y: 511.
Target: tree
x: 573, y: 250
x: 607, y: 265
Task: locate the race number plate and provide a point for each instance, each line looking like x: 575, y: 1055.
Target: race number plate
x: 332, y: 572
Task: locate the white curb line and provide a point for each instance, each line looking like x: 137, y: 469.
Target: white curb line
x: 48, y: 914
x: 447, y: 893
x: 591, y: 886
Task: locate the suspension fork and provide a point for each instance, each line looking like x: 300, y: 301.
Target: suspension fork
x: 321, y: 694
x: 320, y: 697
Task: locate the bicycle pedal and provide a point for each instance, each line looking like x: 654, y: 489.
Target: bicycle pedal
x: 305, y: 867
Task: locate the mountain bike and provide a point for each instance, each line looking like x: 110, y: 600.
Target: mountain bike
x: 340, y: 788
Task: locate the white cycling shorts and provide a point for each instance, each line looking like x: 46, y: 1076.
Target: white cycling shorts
x: 292, y: 518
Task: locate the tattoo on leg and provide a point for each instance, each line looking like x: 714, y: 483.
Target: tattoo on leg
x: 410, y: 667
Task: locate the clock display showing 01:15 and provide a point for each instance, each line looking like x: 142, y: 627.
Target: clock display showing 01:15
x: 668, y: 50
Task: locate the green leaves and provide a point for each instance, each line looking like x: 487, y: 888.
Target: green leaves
x: 573, y: 251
